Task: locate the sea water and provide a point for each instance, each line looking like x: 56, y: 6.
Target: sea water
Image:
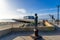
x: 6, y: 20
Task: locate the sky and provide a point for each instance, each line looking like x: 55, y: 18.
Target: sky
x: 10, y: 9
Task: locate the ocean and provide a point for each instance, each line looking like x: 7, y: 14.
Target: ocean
x: 6, y: 20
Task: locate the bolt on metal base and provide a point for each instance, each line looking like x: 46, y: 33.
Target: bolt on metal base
x: 37, y: 37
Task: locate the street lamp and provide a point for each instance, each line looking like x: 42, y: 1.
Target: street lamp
x: 58, y: 14
x: 52, y: 17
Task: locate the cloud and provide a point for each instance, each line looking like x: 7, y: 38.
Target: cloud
x: 21, y: 10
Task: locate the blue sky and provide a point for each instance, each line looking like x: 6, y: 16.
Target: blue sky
x: 20, y: 8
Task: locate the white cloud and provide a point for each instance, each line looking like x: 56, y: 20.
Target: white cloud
x: 21, y: 10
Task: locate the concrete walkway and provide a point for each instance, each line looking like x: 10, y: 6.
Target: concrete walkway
x: 23, y: 38
x: 54, y: 35
x: 27, y: 36
x: 17, y: 36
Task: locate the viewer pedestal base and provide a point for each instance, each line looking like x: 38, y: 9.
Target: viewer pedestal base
x: 37, y: 38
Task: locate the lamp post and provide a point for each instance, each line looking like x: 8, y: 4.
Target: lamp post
x: 58, y: 14
x: 37, y: 37
x: 52, y: 17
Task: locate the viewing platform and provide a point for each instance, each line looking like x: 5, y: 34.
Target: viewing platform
x: 24, y: 31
